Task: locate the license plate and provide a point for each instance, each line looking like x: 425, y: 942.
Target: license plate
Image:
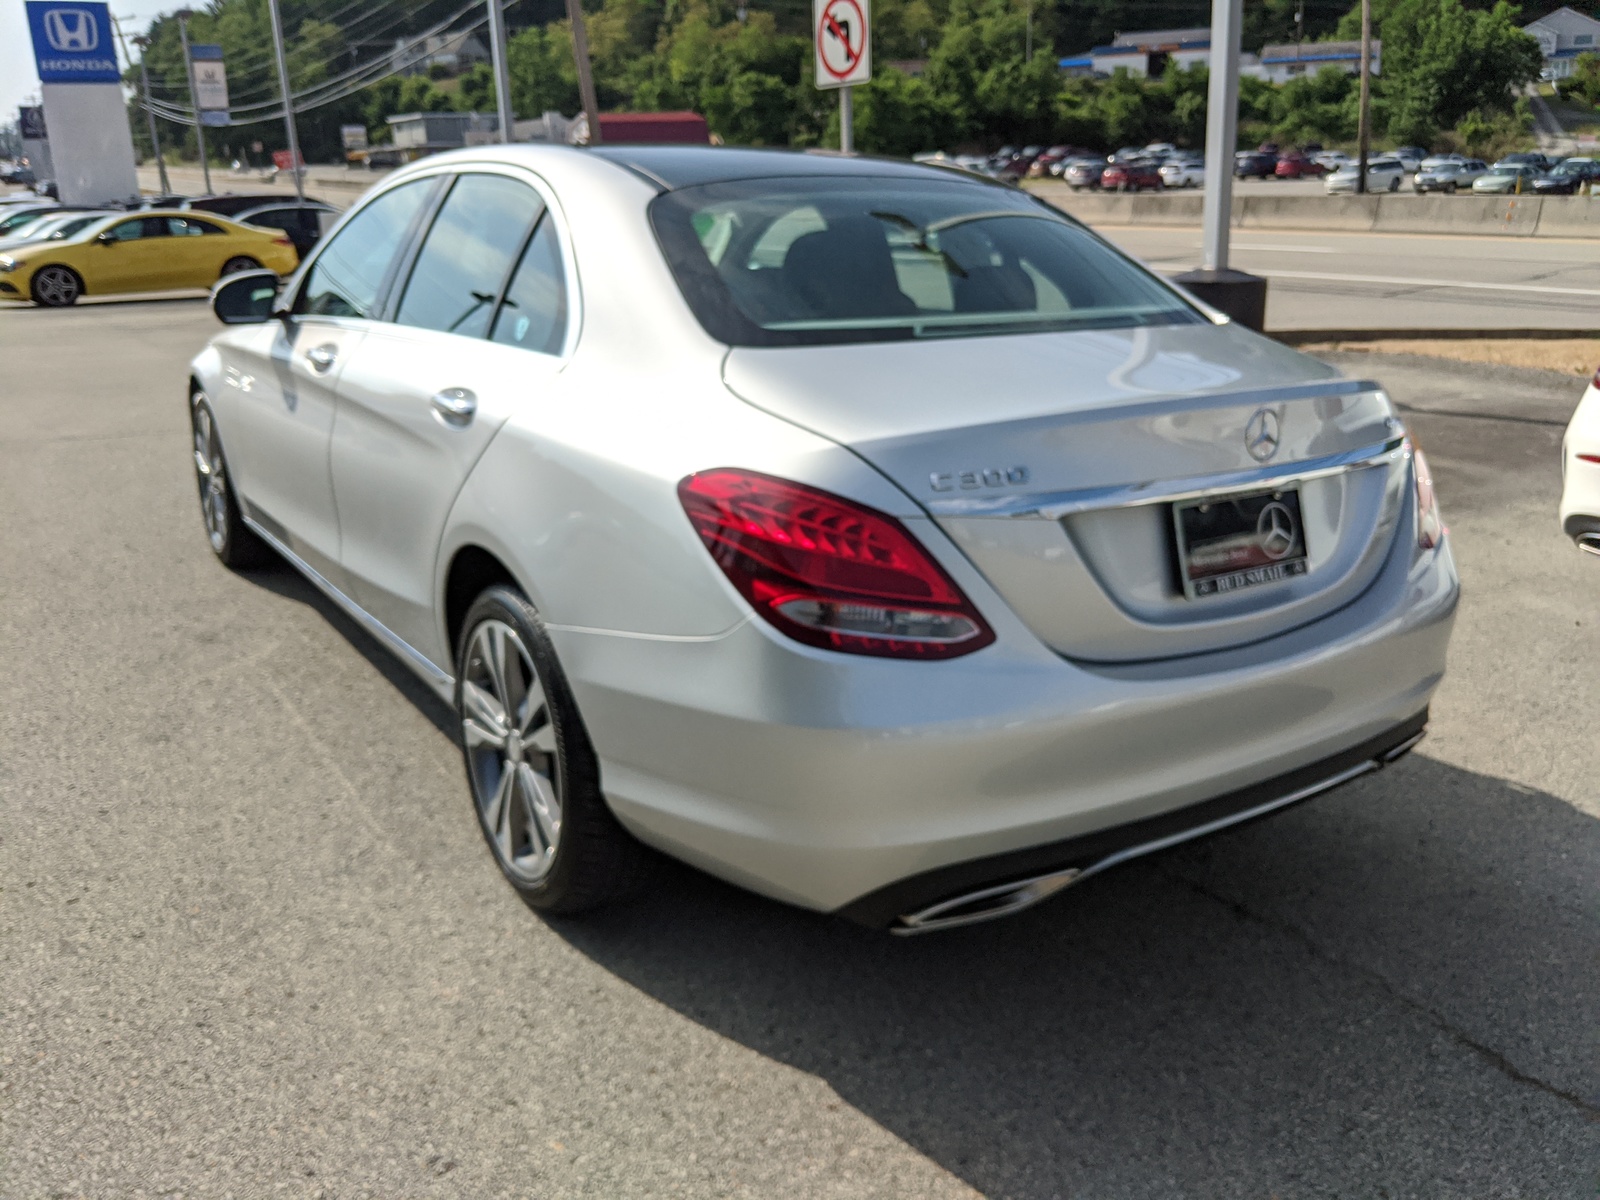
x: 1226, y: 543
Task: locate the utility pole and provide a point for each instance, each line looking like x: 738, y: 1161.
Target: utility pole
x: 502, y: 74
x: 183, y: 15
x: 144, y: 98
x: 1243, y: 297
x: 288, y: 100
x: 580, y: 51
x: 1364, y: 121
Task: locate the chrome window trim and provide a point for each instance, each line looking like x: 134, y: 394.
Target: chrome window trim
x: 455, y: 168
x: 1056, y: 505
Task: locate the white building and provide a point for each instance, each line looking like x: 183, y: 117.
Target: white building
x: 1144, y: 53
x: 1562, y: 36
x: 1279, y: 64
x: 454, y: 52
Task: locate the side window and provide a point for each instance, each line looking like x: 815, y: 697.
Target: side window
x: 534, y: 315
x: 348, y: 275
x: 468, y: 254
x: 274, y: 218
x: 190, y: 227
x: 143, y: 227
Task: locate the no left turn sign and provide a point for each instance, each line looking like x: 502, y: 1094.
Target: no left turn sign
x: 843, y: 42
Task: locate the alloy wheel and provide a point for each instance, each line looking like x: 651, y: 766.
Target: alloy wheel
x: 512, y: 754
x: 212, y: 475
x: 55, y: 287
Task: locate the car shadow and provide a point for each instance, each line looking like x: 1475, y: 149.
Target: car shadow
x: 1388, y: 991
x: 281, y: 579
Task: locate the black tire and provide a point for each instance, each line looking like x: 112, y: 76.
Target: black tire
x: 55, y: 286
x: 1450, y: 189
x: 232, y: 541
x: 594, y: 861
x: 238, y: 264
x: 1394, y: 184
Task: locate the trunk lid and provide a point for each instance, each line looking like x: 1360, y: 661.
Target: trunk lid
x: 1054, y: 461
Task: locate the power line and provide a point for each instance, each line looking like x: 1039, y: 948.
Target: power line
x: 334, y: 90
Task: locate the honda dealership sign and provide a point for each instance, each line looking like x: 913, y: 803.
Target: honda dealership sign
x: 91, y: 150
x: 73, y: 43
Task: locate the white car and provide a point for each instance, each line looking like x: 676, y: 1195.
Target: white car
x: 1332, y: 159
x: 1184, y: 173
x: 1383, y: 175
x: 1580, y: 472
x: 869, y: 534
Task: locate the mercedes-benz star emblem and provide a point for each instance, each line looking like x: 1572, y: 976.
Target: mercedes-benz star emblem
x: 1261, y: 434
x: 1275, y: 528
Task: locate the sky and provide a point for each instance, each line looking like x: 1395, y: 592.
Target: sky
x: 19, y: 82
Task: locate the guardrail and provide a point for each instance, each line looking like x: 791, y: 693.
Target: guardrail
x: 1513, y: 216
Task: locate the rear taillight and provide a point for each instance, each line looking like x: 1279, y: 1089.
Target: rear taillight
x: 1430, y: 525
x: 829, y: 572
x: 284, y: 241
x: 1596, y: 380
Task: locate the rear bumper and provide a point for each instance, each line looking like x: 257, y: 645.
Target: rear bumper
x: 824, y: 779
x: 980, y: 890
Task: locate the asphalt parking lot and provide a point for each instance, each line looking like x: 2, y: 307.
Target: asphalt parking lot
x: 251, y: 944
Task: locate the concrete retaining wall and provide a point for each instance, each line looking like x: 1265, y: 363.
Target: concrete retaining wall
x: 1502, y: 216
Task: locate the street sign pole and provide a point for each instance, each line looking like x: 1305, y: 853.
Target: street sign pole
x: 1222, y: 131
x: 288, y: 99
x: 1242, y: 297
x: 194, y: 104
x: 502, y: 73
x: 842, y: 41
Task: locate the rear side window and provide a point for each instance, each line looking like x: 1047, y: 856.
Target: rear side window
x: 824, y: 260
x: 190, y: 227
x: 468, y: 255
x: 534, y: 313
x: 274, y: 218
x: 347, y: 278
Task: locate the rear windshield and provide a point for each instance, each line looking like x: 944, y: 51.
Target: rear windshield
x: 784, y: 262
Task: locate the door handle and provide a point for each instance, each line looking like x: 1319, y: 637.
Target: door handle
x: 455, y: 405
x: 322, y: 358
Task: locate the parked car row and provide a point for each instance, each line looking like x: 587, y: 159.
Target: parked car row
x: 304, y: 221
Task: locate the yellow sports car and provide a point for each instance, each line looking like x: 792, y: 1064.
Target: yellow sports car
x: 154, y: 251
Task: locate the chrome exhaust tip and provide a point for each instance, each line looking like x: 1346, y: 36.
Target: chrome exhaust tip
x: 1589, y: 542
x: 986, y: 904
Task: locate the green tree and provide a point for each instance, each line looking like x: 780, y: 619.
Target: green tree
x: 1442, y: 61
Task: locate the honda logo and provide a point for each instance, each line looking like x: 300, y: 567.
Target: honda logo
x: 71, y: 30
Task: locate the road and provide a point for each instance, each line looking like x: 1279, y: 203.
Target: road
x: 251, y: 944
x: 1361, y: 281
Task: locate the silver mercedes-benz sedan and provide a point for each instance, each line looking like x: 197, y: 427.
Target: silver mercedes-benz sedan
x: 868, y: 534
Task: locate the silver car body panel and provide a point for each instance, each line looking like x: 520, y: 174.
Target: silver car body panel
x: 805, y: 774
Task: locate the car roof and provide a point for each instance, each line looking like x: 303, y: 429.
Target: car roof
x: 673, y: 167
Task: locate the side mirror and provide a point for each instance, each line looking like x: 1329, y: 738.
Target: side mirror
x: 247, y: 298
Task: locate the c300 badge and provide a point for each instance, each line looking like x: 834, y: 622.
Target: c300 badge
x: 988, y: 477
